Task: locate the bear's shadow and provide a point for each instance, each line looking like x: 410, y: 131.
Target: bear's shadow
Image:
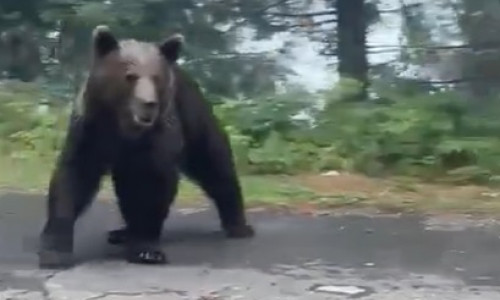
x: 188, y: 238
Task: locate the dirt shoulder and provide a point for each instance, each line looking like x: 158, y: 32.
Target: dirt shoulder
x: 399, y: 195
x: 317, y: 193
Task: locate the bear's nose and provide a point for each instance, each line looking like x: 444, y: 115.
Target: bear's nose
x: 149, y: 105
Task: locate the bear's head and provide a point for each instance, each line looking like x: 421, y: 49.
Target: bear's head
x: 133, y: 81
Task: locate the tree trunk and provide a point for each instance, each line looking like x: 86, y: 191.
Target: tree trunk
x: 351, y: 47
x: 480, y: 24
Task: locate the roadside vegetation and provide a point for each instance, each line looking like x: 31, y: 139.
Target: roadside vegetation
x: 401, y: 152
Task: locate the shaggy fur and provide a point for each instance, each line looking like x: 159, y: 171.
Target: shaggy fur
x: 141, y: 118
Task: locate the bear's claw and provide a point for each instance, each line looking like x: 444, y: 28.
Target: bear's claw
x: 146, y: 254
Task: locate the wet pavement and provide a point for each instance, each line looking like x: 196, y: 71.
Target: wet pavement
x: 348, y: 256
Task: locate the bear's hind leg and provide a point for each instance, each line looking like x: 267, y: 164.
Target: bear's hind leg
x: 213, y: 170
x: 144, y: 199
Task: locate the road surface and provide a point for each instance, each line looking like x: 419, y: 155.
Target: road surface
x: 348, y: 256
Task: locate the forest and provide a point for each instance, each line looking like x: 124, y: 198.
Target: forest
x: 345, y: 102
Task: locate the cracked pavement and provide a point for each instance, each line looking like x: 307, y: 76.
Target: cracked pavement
x: 343, y: 256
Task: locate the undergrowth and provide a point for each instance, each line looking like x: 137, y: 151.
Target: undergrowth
x: 435, y: 137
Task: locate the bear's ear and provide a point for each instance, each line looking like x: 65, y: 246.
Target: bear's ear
x: 103, y: 41
x: 171, y: 47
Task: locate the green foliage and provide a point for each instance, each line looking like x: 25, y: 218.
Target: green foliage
x: 429, y: 136
x: 407, y: 133
x: 259, y: 117
x: 26, y: 130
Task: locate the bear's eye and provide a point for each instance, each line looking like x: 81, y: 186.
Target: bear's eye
x: 131, y: 77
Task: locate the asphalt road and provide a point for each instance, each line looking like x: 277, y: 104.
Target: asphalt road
x: 292, y: 257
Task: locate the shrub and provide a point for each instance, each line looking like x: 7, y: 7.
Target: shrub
x: 26, y: 130
x: 427, y: 135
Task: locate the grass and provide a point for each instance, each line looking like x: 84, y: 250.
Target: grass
x: 28, y: 175
x: 307, y: 193
x: 33, y: 176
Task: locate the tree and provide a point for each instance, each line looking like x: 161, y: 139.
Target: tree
x: 20, y: 54
x: 19, y: 43
x: 351, y: 47
x: 480, y: 24
x: 211, y: 29
x: 340, y: 25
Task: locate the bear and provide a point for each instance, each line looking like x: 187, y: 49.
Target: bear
x: 140, y: 118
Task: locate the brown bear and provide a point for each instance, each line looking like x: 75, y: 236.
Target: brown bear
x: 144, y: 120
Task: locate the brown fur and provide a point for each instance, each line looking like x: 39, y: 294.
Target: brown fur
x: 141, y: 118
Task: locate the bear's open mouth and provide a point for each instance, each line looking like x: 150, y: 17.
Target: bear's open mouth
x: 143, y: 121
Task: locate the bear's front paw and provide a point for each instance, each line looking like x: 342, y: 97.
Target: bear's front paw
x: 149, y: 254
x: 239, y: 231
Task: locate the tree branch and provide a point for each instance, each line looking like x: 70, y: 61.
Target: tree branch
x: 303, y: 15
x: 272, y: 5
x: 308, y: 24
x: 456, y: 80
x: 388, y: 11
x: 493, y: 45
